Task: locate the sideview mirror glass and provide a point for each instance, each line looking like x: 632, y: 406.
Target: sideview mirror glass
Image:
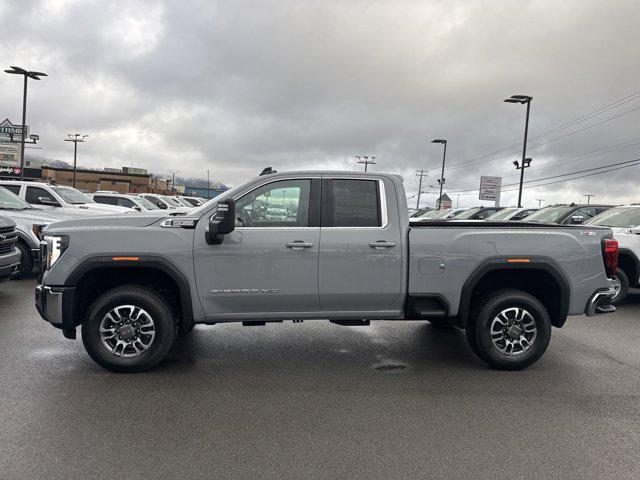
x: 48, y: 201
x: 222, y: 222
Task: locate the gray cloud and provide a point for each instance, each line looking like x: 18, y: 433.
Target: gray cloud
x: 235, y: 86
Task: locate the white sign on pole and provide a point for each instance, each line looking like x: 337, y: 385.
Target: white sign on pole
x: 490, y: 188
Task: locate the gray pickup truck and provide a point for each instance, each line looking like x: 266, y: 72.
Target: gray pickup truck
x: 9, y: 254
x: 342, y: 250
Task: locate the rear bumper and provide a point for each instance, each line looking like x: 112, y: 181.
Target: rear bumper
x: 55, y: 305
x: 600, y: 302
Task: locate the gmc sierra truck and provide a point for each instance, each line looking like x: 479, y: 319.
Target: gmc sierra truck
x: 341, y: 250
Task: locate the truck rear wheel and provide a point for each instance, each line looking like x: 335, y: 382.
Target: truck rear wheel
x: 129, y: 329
x: 510, y: 331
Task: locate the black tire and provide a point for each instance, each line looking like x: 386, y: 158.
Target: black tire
x: 479, y: 329
x: 624, y: 287
x: 138, y: 296
x: 26, y: 262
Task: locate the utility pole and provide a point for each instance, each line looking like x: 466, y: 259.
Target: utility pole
x: 522, y: 99
x: 173, y: 178
x: 208, y: 188
x: 589, y: 195
x: 441, y: 179
x: 539, y: 200
x: 34, y: 138
x: 366, y: 161
x: 75, y: 139
x: 420, y: 173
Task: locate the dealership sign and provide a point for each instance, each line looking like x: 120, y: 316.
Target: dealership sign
x: 10, y: 149
x: 7, y: 129
x: 490, y: 188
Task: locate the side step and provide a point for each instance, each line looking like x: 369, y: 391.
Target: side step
x: 351, y: 322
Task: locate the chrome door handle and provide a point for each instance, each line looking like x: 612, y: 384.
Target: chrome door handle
x: 299, y: 244
x: 380, y: 244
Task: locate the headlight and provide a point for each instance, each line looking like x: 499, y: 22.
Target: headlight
x: 56, y: 245
x: 38, y: 231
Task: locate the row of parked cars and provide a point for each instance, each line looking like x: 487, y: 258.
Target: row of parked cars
x: 26, y: 208
x: 624, y: 220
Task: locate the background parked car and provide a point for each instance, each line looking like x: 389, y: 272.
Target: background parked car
x: 9, y: 254
x: 511, y: 214
x: 478, y: 213
x: 135, y: 202
x: 567, y: 214
x: 66, y: 200
x: 165, y: 203
x: 194, y: 201
x: 29, y: 223
x: 442, y: 214
x: 624, y: 221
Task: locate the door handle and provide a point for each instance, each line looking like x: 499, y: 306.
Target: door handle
x: 380, y: 244
x: 299, y: 244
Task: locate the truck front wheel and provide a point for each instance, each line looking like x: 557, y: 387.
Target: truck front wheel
x: 510, y: 331
x: 129, y: 329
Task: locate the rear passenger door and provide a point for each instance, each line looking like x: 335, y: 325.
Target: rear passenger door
x: 360, y: 266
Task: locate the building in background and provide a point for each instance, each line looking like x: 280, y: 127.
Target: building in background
x: 204, y: 192
x: 118, y: 180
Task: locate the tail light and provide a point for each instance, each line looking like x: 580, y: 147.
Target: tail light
x: 610, y: 254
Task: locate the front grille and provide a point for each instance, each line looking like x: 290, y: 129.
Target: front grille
x: 8, y: 239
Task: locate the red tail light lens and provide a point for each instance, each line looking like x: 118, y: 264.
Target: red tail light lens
x: 610, y: 256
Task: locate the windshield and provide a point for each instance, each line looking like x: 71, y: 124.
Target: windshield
x: 184, y: 202
x: 468, y: 213
x: 548, y: 214
x: 621, y: 217
x: 171, y: 201
x: 10, y: 201
x: 146, y: 203
x: 501, y: 214
x: 71, y: 195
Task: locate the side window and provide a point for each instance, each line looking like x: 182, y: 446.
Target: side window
x: 355, y: 203
x: 12, y: 188
x: 485, y: 213
x: 278, y: 204
x: 34, y: 193
x: 520, y: 215
x: 104, y: 199
x: 125, y: 202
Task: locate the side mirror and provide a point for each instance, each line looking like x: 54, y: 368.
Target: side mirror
x: 222, y: 222
x: 161, y: 205
x: 577, y: 220
x: 137, y: 208
x: 48, y: 201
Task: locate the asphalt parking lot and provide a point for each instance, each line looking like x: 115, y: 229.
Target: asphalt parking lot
x: 316, y: 400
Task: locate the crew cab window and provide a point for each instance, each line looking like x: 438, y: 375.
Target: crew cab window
x: 353, y: 203
x: 34, y: 193
x: 12, y: 188
x: 105, y: 199
x: 125, y: 202
x: 278, y: 204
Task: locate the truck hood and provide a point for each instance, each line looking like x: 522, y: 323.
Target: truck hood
x: 122, y: 221
x: 35, y: 216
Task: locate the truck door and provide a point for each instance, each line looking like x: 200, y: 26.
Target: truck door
x: 360, y: 246
x: 269, y: 263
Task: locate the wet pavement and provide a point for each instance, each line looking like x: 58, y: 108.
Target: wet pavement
x: 317, y: 400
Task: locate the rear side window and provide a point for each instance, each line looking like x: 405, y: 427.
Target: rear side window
x: 105, y: 199
x: 352, y: 203
x: 12, y: 188
x: 125, y: 202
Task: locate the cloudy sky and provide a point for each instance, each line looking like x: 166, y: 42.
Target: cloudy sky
x: 238, y: 85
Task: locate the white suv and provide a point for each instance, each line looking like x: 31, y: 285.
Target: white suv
x: 625, y: 223
x: 60, y: 199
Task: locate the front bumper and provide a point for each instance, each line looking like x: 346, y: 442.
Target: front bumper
x: 600, y: 302
x: 55, y: 305
x: 10, y: 264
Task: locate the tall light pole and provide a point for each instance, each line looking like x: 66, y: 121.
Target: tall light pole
x: 33, y: 76
x: 421, y: 174
x: 539, y: 200
x: 173, y: 178
x: 522, y: 99
x: 208, y: 187
x: 444, y: 157
x: 366, y: 161
x: 589, y: 195
x: 77, y: 138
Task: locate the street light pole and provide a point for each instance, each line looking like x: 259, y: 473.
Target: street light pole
x: 444, y: 157
x: 522, y: 99
x: 173, y: 178
x: 34, y: 76
x: 75, y: 139
x: 589, y: 195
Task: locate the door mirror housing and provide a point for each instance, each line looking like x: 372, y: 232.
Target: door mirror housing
x: 48, y: 201
x: 161, y: 205
x: 222, y: 222
x: 577, y: 220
